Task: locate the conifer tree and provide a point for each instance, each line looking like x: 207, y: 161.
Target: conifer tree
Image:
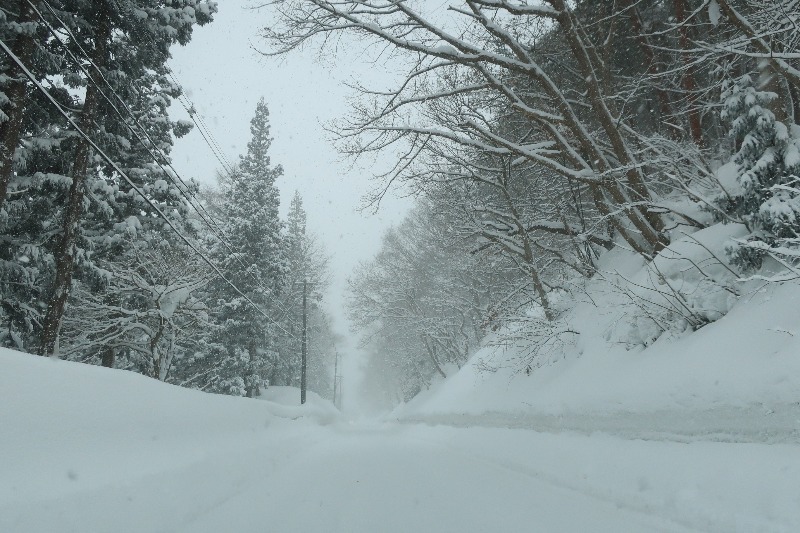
x: 257, y: 264
x: 35, y: 148
x: 36, y: 194
x: 306, y: 261
x: 127, y: 42
x: 767, y: 198
x: 19, y: 29
x: 296, y: 237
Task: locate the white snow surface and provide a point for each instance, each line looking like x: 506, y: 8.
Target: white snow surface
x: 285, y: 401
x: 89, y: 449
x: 619, y: 426
x: 736, y: 379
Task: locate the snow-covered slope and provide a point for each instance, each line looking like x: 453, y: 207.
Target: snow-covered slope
x: 68, y: 427
x: 736, y: 377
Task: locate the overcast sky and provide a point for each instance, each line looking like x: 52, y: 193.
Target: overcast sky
x: 225, y: 77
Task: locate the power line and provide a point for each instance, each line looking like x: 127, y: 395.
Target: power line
x: 165, y: 158
x: 186, y: 191
x: 205, y: 132
x: 136, y: 188
x: 220, y: 157
x: 202, y: 127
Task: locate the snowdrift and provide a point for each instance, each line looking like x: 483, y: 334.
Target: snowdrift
x: 738, y: 375
x: 69, y: 427
x: 285, y: 401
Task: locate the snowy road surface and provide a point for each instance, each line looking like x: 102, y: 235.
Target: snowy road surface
x: 370, y: 478
x: 89, y: 450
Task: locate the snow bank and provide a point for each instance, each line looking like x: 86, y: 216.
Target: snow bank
x: 285, y: 402
x: 744, y: 366
x: 88, y: 449
x: 68, y: 427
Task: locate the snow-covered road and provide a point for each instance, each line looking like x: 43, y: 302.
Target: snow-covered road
x: 416, y: 479
x: 354, y: 478
x: 89, y: 450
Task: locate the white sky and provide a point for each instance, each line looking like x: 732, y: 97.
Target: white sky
x: 225, y: 77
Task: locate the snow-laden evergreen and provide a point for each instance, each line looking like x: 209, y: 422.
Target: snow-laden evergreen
x: 255, y: 263
x: 766, y: 196
x: 307, y: 262
x: 67, y: 208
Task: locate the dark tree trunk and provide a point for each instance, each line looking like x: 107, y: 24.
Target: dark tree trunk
x: 795, y: 95
x: 432, y: 355
x: 107, y: 358
x: 16, y: 91
x: 689, y: 83
x: 646, y: 221
x: 648, y: 52
x: 253, y: 389
x: 65, y: 250
x: 771, y: 80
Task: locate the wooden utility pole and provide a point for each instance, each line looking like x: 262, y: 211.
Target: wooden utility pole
x: 304, y: 360
x: 304, y: 341
x: 336, y: 380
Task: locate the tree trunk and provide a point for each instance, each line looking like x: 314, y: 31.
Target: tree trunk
x: 432, y: 355
x: 16, y: 92
x: 688, y: 81
x: 794, y: 93
x: 769, y: 79
x: 107, y: 359
x: 252, y: 383
x: 65, y: 250
x: 760, y: 42
x: 637, y: 27
x: 540, y: 290
x: 646, y: 221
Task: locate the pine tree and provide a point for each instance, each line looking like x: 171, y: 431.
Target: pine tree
x: 767, y: 198
x: 256, y: 265
x: 306, y: 261
x: 128, y: 42
x: 19, y: 29
x: 34, y: 164
x: 296, y: 237
x: 27, y: 264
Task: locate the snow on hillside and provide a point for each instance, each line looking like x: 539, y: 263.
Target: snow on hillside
x: 739, y: 374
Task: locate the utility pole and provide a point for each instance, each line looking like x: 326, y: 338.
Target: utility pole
x: 304, y: 360
x: 336, y: 380
x: 304, y: 341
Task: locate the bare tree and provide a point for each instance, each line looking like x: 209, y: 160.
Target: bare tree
x: 149, y: 309
x: 482, y: 56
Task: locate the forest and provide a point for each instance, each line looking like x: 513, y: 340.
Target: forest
x: 547, y: 145
x: 109, y: 256
x: 640, y: 156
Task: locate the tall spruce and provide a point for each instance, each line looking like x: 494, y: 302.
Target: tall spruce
x: 306, y: 261
x: 256, y: 264
x: 128, y: 42
x: 18, y: 28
